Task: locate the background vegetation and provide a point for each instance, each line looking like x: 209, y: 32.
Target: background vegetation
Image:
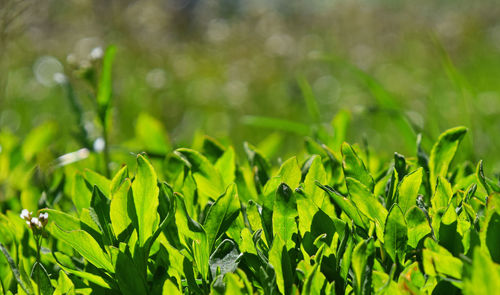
x: 208, y: 65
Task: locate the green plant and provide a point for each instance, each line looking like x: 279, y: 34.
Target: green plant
x: 333, y: 220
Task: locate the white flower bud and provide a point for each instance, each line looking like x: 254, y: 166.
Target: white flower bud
x: 44, y: 217
x: 35, y: 221
x: 25, y: 214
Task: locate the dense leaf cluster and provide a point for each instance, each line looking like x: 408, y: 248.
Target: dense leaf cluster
x: 338, y: 221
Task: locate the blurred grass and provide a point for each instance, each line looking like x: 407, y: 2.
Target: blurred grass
x: 399, y: 67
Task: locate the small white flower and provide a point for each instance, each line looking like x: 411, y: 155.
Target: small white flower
x: 99, y: 144
x: 28, y: 223
x: 96, y: 53
x: 60, y: 78
x: 25, y: 214
x: 35, y: 221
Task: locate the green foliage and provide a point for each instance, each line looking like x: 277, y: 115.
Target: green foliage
x: 209, y: 222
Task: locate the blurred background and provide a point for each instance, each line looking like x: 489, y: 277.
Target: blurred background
x: 217, y: 67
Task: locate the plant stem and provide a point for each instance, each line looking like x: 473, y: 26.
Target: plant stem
x: 106, y: 146
x: 38, y: 240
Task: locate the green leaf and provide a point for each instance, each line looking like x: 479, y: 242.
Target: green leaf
x: 305, y: 210
x: 408, y: 190
x: 493, y: 237
x: 208, y: 180
x: 482, y: 178
x: 395, y: 234
x: 314, y: 281
x: 170, y: 288
x: 238, y: 283
x: 418, y: 226
x: 64, y: 285
x: 443, y: 152
x: 119, y: 208
x: 41, y: 278
x: 483, y: 277
x: 280, y: 260
x: 65, y: 221
x: 84, y: 244
x: 366, y: 202
x: 355, y: 168
x: 128, y: 277
x: 99, y: 211
x: 145, y: 196
x: 118, y: 179
x: 361, y: 263
x: 315, y: 173
x: 222, y: 214
x: 258, y: 163
x: 25, y: 284
x: 105, y: 84
x: 96, y: 279
x: 191, y: 229
x: 226, y: 165
x: 437, y: 260
x: 81, y: 195
x: 400, y: 165
x: 152, y: 135
x: 289, y: 173
x: 284, y: 214
x: 95, y: 179
x: 347, y: 206
x: 442, y: 195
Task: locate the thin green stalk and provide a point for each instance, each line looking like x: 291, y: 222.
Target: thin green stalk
x: 38, y: 241
x: 106, y: 146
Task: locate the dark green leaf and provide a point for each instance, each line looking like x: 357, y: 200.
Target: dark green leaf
x: 25, y: 284
x: 129, y: 279
x: 493, y: 237
x: 221, y: 214
x: 42, y: 279
x: 99, y: 211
